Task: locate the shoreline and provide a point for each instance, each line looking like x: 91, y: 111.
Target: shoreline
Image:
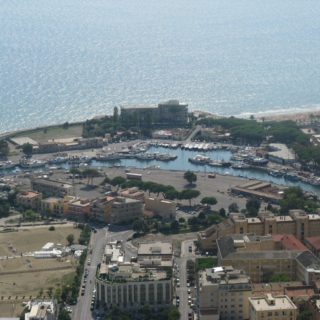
x: 298, y: 116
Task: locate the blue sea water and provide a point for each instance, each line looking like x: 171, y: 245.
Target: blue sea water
x: 72, y: 60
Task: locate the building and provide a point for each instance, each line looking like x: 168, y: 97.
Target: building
x: 161, y: 207
x: 77, y: 208
x: 313, y: 244
x: 41, y: 310
x: 29, y: 200
x: 170, y: 113
x: 257, y: 256
x: 124, y: 210
x: 280, y: 153
x: 129, y: 286
x: 297, y: 223
x: 132, y: 193
x: 308, y: 267
x: 51, y: 188
x: 101, y: 209
x: 272, y: 307
x: 52, y: 206
x: 224, y: 293
x: 158, y: 254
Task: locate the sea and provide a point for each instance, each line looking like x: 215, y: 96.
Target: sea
x: 73, y: 60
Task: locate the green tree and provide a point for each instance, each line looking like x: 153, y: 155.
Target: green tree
x: 175, y: 226
x: 4, y: 148
x: 27, y: 149
x: 140, y: 226
x: 233, y: 207
x: 90, y: 174
x: 30, y: 215
x: 64, y: 315
x: 253, y: 206
x: 209, y: 201
x: 70, y: 239
x: 189, y: 194
x: 118, y: 181
x: 280, y: 278
x: 222, y: 212
x: 190, y: 176
x: 115, y: 115
x: 4, y: 209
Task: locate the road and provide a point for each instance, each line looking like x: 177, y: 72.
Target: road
x: 97, y: 243
x: 182, y: 292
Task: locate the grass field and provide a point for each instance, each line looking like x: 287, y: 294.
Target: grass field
x: 32, y: 239
x: 10, y: 309
x: 206, y: 263
x: 56, y: 132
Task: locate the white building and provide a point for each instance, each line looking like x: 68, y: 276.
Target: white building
x: 41, y: 310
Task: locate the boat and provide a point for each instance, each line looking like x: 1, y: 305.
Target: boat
x: 108, y: 157
x: 58, y: 160
x: 276, y: 173
x: 219, y: 163
x: 291, y: 176
x: 240, y: 166
x: 6, y: 165
x: 199, y: 159
x: 29, y: 163
x: 257, y: 161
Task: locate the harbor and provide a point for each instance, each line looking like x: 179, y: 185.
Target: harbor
x: 207, y: 158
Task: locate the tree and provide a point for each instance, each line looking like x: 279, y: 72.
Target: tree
x: 140, y: 226
x: 118, y: 181
x: 4, y: 209
x: 115, y: 115
x: 209, y: 201
x: 190, y: 177
x: 30, y: 215
x: 280, y: 278
x: 253, y: 206
x: 233, y: 207
x: 4, y: 148
x: 175, y: 226
x: 27, y: 149
x: 222, y: 212
x: 64, y: 315
x: 70, y: 239
x: 189, y: 194
x: 171, y: 194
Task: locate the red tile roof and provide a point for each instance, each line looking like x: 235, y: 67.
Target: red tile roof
x: 314, y: 242
x: 289, y: 242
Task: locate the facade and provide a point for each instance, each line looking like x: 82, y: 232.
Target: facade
x: 52, y: 206
x: 297, y: 223
x: 272, y: 307
x: 313, y: 244
x: 132, y: 193
x: 161, y: 207
x: 257, y: 256
x: 308, y: 267
x: 170, y: 113
x: 29, y: 200
x: 77, y: 207
x: 224, y: 293
x: 155, y: 254
x: 129, y: 285
x: 51, y: 188
x: 124, y: 210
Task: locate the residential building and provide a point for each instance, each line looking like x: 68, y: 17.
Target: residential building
x: 51, y: 188
x: 29, y: 200
x: 77, y: 207
x: 313, y: 244
x: 52, y: 206
x: 298, y: 223
x: 272, y: 307
x: 166, y: 209
x: 42, y: 310
x: 132, y: 193
x: 124, y: 210
x: 308, y: 267
x: 223, y: 294
x: 313, y: 305
x: 130, y: 286
x: 155, y: 254
x: 257, y: 256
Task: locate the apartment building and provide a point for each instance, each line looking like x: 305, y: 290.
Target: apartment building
x: 51, y: 188
x: 161, y: 207
x: 224, y: 293
x: 272, y: 308
x: 129, y: 285
x: 78, y: 208
x: 29, y: 200
x: 132, y: 193
x: 298, y: 223
x: 155, y: 254
x: 41, y: 310
x: 257, y: 256
x: 52, y: 206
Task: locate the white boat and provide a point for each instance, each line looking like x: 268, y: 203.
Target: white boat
x: 199, y: 159
x: 29, y: 163
x: 5, y: 165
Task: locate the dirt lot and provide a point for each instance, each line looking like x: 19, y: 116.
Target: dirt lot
x: 31, y: 239
x: 10, y: 309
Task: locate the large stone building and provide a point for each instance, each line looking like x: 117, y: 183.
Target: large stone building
x: 155, y: 254
x: 166, y: 209
x: 297, y: 223
x: 130, y: 286
x: 223, y: 294
x: 29, y: 200
x: 272, y: 308
x: 263, y: 257
x: 170, y: 113
x: 51, y: 188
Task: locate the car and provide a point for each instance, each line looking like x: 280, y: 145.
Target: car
x: 188, y: 284
x: 190, y: 316
x: 177, y: 303
x: 190, y: 248
x: 189, y: 291
x: 178, y: 284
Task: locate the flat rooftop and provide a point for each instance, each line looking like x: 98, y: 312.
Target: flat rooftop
x: 156, y: 248
x: 270, y: 303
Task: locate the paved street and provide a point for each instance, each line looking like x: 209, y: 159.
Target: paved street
x: 182, y: 292
x: 98, y: 241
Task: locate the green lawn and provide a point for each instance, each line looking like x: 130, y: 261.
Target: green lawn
x: 205, y: 263
x: 55, y: 132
